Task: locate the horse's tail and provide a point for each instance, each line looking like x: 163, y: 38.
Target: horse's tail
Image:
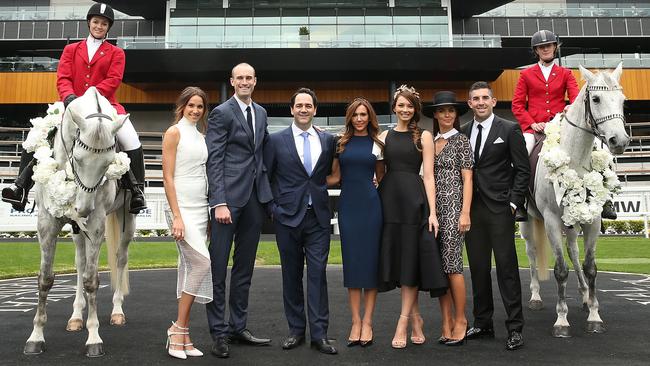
x: 541, y: 243
x: 119, y: 279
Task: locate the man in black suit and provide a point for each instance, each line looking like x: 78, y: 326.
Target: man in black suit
x: 501, y: 174
x: 238, y: 188
x: 298, y: 160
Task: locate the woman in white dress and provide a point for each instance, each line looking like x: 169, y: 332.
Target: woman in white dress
x: 184, y: 157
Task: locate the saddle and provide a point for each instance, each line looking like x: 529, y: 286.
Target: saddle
x: 534, y: 159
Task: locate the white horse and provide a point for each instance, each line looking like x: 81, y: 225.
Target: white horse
x: 597, y: 112
x: 86, y: 139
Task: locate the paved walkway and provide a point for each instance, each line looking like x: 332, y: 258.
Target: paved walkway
x: 624, y: 299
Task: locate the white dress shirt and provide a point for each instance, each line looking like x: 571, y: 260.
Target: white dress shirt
x: 243, y: 107
x: 487, y: 124
x: 93, y: 45
x: 314, y: 144
x: 546, y: 70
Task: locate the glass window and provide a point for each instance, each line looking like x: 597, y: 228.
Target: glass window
x: 209, y: 34
x: 322, y: 32
x: 379, y: 20
x: 295, y: 20
x: 239, y: 21
x: 350, y: 20
x: 210, y: 21
x: 182, y: 21
x: 238, y: 33
x: 322, y: 20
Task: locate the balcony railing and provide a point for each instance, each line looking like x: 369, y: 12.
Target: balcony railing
x: 563, y: 10
x: 431, y: 41
x: 52, y: 13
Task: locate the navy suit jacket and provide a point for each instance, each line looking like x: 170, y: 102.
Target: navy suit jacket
x: 290, y: 182
x: 235, y: 163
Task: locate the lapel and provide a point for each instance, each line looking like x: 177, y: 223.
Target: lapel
x: 537, y: 70
x: 324, y: 149
x: 466, y: 129
x: 555, y: 70
x: 102, y: 51
x: 259, y: 125
x: 82, y: 50
x: 240, y: 117
x: 290, y: 144
x: 492, y: 136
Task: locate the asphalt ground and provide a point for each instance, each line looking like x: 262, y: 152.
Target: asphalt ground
x: 624, y: 306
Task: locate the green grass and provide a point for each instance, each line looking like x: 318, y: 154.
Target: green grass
x: 624, y: 254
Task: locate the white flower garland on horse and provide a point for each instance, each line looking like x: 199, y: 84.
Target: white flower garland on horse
x: 582, y: 197
x: 57, y: 182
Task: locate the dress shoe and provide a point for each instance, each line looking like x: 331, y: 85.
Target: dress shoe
x: 521, y: 214
x: 246, y: 337
x: 476, y: 332
x: 353, y: 342
x: 608, y: 211
x: 324, y: 346
x: 293, y: 341
x: 221, y: 348
x: 515, y: 341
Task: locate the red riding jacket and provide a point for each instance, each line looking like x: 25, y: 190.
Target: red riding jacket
x: 76, y: 74
x: 545, y: 98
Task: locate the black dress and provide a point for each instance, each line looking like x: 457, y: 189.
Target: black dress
x: 409, y: 254
x: 359, y: 213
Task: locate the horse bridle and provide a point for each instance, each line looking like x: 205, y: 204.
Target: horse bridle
x: 592, y: 122
x: 78, y: 142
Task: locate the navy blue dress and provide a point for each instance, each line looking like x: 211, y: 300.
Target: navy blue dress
x: 360, y: 215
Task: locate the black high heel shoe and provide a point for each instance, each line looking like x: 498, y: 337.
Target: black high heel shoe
x: 455, y: 342
x: 352, y: 343
x: 443, y: 340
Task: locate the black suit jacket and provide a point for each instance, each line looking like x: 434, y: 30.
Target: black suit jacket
x: 502, y: 172
x: 291, y: 184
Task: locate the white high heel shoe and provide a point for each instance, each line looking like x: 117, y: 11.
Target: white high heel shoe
x: 189, y: 352
x: 177, y: 353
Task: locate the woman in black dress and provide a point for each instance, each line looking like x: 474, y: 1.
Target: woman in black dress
x: 453, y: 173
x: 357, y: 161
x: 409, y: 255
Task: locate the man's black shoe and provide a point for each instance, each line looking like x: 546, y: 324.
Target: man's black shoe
x: 476, y: 332
x: 515, y: 341
x: 246, y: 337
x: 324, y: 346
x: 608, y: 211
x: 220, y: 347
x: 521, y: 214
x: 16, y: 196
x: 293, y: 341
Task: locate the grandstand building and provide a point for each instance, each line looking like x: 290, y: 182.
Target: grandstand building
x: 341, y: 49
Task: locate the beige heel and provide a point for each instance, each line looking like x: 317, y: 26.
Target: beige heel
x: 399, y: 343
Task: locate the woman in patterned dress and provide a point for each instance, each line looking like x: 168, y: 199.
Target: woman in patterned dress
x: 184, y: 156
x: 453, y: 177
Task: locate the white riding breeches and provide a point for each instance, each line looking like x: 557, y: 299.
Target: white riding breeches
x: 127, y: 137
x: 530, y: 142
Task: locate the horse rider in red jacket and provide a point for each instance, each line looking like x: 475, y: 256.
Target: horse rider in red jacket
x: 541, y: 91
x: 91, y: 62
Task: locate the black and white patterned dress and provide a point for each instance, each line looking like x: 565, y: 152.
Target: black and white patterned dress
x: 448, y: 163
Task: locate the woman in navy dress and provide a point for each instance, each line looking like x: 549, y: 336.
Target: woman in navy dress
x: 358, y: 159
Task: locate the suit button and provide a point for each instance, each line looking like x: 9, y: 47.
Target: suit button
x: 86, y: 85
x: 88, y: 76
x: 88, y: 66
x: 547, y: 85
x: 548, y: 111
x: 547, y: 101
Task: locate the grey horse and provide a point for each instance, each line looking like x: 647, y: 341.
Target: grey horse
x: 596, y: 113
x: 86, y: 139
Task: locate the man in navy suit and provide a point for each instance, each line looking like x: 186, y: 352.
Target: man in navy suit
x: 298, y: 160
x: 238, y: 189
x: 501, y: 174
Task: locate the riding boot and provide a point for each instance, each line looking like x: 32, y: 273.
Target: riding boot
x: 608, y: 211
x: 16, y: 194
x: 133, y: 180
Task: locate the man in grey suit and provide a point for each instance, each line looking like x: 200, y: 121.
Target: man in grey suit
x: 238, y: 189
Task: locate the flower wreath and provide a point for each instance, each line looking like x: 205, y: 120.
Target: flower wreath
x: 57, y: 184
x: 582, y: 197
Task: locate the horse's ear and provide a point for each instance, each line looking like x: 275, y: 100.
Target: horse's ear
x: 77, y: 118
x: 586, y: 74
x: 119, y: 122
x: 616, y: 74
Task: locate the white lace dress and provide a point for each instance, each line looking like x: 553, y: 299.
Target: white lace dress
x: 190, y: 179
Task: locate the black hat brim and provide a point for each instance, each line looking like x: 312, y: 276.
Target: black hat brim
x: 461, y: 108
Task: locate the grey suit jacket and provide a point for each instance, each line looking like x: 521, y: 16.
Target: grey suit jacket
x: 235, y: 160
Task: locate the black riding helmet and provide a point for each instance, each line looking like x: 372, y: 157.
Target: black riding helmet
x: 543, y: 37
x: 102, y: 10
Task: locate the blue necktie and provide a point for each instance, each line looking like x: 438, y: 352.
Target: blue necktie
x: 306, y: 152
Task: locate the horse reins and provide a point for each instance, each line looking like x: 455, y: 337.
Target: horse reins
x: 592, y: 122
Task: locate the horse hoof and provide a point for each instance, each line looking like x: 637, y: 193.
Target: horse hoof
x: 34, y: 348
x: 535, y: 305
x: 118, y: 319
x: 562, y: 331
x: 74, y: 325
x: 95, y: 350
x: 596, y: 327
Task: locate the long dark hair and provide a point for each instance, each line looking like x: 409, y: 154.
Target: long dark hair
x: 436, y: 125
x: 413, y: 97
x: 184, y: 98
x: 373, y: 124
